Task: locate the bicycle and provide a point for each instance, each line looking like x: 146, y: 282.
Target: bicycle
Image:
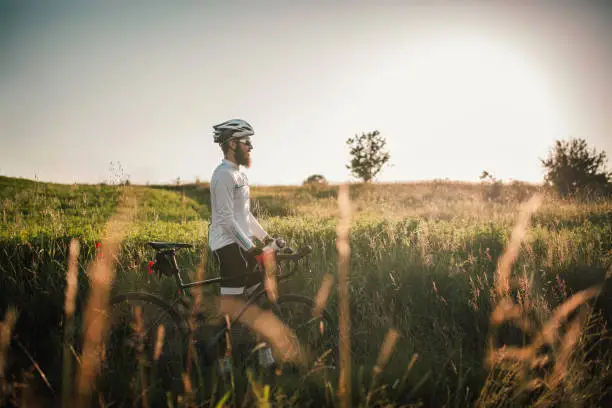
x: 146, y: 356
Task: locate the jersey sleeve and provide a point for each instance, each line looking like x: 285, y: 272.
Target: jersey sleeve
x: 223, y: 194
x: 256, y: 228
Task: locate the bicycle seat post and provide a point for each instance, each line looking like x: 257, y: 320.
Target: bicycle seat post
x: 177, y: 274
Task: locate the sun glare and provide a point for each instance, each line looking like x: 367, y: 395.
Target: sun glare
x: 475, y: 95
x: 477, y: 76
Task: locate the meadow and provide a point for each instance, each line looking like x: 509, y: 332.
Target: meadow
x: 484, y: 308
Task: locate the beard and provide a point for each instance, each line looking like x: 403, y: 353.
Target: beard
x: 242, y: 159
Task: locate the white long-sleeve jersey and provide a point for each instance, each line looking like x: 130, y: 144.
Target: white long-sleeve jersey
x: 231, y: 220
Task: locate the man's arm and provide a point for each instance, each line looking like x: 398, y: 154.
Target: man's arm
x: 223, y: 193
x: 257, y: 229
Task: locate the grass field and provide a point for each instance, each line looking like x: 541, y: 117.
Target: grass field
x: 427, y: 262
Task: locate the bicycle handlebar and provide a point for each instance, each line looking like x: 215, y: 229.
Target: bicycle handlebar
x: 295, y: 256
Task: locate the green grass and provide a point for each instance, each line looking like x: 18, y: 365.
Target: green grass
x: 423, y: 261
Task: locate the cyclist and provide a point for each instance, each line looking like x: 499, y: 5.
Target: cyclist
x: 233, y: 225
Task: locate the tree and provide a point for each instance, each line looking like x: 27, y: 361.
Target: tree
x: 368, y: 155
x: 573, y: 168
x: 118, y: 175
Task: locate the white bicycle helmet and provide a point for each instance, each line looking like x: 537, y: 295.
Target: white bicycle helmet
x: 232, y: 129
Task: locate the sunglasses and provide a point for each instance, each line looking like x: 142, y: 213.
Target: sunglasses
x: 246, y: 142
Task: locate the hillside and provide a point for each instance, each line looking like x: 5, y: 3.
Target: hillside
x: 31, y: 209
x: 60, y: 208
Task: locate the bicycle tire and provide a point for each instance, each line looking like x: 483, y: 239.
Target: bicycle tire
x: 317, y: 336
x: 134, y: 365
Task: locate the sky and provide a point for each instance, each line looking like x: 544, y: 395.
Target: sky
x: 95, y: 91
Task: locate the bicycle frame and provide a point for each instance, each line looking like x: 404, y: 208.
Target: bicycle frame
x: 251, y: 298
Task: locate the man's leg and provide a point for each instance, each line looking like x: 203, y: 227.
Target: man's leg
x: 254, y: 283
x: 234, y: 265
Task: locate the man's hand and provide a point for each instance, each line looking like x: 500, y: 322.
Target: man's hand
x: 255, y: 251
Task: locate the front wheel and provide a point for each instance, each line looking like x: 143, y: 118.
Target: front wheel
x: 316, y: 336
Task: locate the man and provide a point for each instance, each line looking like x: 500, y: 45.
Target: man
x: 232, y: 223
x: 233, y: 226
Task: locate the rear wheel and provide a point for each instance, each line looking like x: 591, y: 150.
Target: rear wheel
x: 144, y: 353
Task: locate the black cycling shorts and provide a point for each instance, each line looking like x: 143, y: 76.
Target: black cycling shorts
x: 234, y: 263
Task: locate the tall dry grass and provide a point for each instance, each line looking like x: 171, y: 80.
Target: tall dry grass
x: 6, y: 330
x: 547, y: 367
x: 386, y: 350
x: 69, y: 327
x: 101, y: 274
x: 344, y: 317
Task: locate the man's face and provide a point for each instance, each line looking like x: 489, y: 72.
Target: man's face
x: 243, y: 151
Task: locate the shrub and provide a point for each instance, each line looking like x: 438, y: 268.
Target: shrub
x: 315, y: 179
x: 572, y: 169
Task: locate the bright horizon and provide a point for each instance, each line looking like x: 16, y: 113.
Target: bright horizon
x: 455, y: 87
